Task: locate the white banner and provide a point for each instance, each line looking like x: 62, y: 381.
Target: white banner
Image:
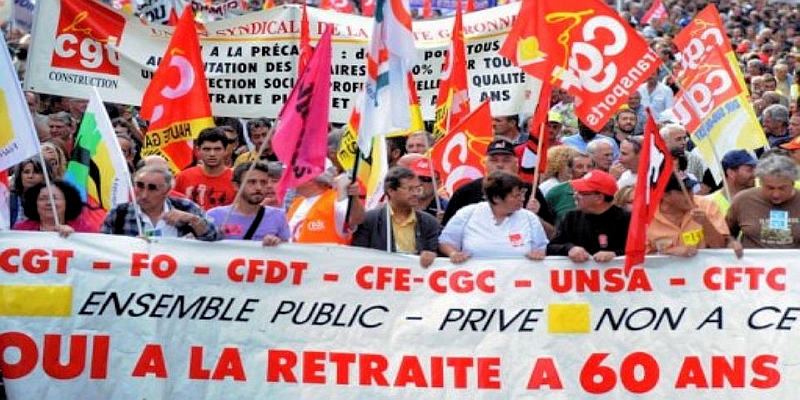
x: 23, y: 14
x: 250, y: 60
x: 120, y: 318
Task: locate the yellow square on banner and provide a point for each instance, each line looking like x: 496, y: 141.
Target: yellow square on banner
x: 568, y: 318
x: 35, y: 301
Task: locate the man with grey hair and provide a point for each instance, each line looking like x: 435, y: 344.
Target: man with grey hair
x: 602, y: 154
x: 769, y: 216
x: 317, y: 213
x: 157, y: 212
x: 775, y: 120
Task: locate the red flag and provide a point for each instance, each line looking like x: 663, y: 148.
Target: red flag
x: 305, y: 43
x: 173, y: 17
x: 657, y: 11
x: 342, y: 6
x: 368, y: 8
x: 427, y: 9
x: 452, y: 102
x: 655, y: 167
x: 470, y: 6
x: 301, y: 138
x: 529, y: 158
x: 458, y: 157
x: 176, y: 100
x: 584, y: 48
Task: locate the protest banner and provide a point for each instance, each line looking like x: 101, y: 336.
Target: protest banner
x: 121, y: 318
x: 250, y: 60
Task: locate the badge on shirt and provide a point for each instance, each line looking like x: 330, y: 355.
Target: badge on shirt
x: 693, y: 237
x: 153, y: 232
x: 602, y: 240
x: 232, y: 230
x: 515, y: 239
x: 778, y: 219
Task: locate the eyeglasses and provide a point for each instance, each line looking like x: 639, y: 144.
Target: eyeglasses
x: 150, y: 186
x: 412, y: 190
x: 426, y: 179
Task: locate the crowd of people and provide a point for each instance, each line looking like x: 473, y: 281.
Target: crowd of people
x: 580, y: 208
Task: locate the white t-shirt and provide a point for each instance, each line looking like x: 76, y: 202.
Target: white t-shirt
x: 473, y: 230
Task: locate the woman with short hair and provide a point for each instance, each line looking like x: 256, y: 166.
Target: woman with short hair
x: 496, y: 227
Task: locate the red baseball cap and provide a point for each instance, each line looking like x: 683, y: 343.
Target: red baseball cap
x: 421, y: 167
x: 596, y: 181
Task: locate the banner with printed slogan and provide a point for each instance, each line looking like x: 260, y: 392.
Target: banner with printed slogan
x: 251, y: 60
x: 113, y: 317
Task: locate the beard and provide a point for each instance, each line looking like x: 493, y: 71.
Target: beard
x: 254, y: 198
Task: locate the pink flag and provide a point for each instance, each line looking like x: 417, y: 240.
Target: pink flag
x: 301, y: 138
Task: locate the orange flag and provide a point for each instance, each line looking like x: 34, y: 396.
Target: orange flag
x: 458, y: 157
x: 176, y: 100
x: 452, y: 102
x: 585, y: 48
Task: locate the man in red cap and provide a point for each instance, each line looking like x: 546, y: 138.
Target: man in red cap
x: 427, y: 200
x: 596, y: 229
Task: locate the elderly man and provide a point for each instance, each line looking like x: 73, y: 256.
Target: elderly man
x: 157, y: 213
x: 769, y: 216
x: 398, y: 226
x: 602, y: 154
x: 596, y: 229
x: 775, y: 120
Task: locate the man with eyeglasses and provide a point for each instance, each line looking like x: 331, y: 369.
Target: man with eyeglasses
x: 596, y: 229
x: 428, y: 199
x: 159, y: 214
x: 398, y: 226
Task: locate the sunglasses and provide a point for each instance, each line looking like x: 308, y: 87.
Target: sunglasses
x: 150, y: 186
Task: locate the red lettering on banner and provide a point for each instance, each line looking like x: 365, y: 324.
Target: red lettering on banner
x: 729, y: 371
x: 151, y: 361
x: 750, y: 278
x: 273, y: 271
x: 378, y: 278
x: 228, y: 365
x: 610, y: 280
x: 163, y: 266
x: 376, y: 369
x: 35, y: 261
x: 544, y: 373
x: 52, y: 366
x: 461, y: 281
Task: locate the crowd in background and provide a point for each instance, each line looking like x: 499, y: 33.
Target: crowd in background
x: 579, y: 209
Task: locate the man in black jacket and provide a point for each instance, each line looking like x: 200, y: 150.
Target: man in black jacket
x: 596, y: 229
x: 397, y: 226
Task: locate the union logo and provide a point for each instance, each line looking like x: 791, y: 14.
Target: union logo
x: 87, y: 36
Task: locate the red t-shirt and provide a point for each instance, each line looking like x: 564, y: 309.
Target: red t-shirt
x: 207, y: 191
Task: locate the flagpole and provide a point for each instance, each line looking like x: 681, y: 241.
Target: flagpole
x: 433, y: 173
x: 353, y: 179
x: 537, y: 172
x: 49, y: 185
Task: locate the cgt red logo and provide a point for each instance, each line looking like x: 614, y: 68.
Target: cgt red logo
x: 85, y: 32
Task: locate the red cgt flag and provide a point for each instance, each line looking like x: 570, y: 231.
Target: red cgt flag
x: 176, y: 100
x: 583, y: 47
x: 458, y: 157
x: 452, y: 102
x: 655, y: 167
